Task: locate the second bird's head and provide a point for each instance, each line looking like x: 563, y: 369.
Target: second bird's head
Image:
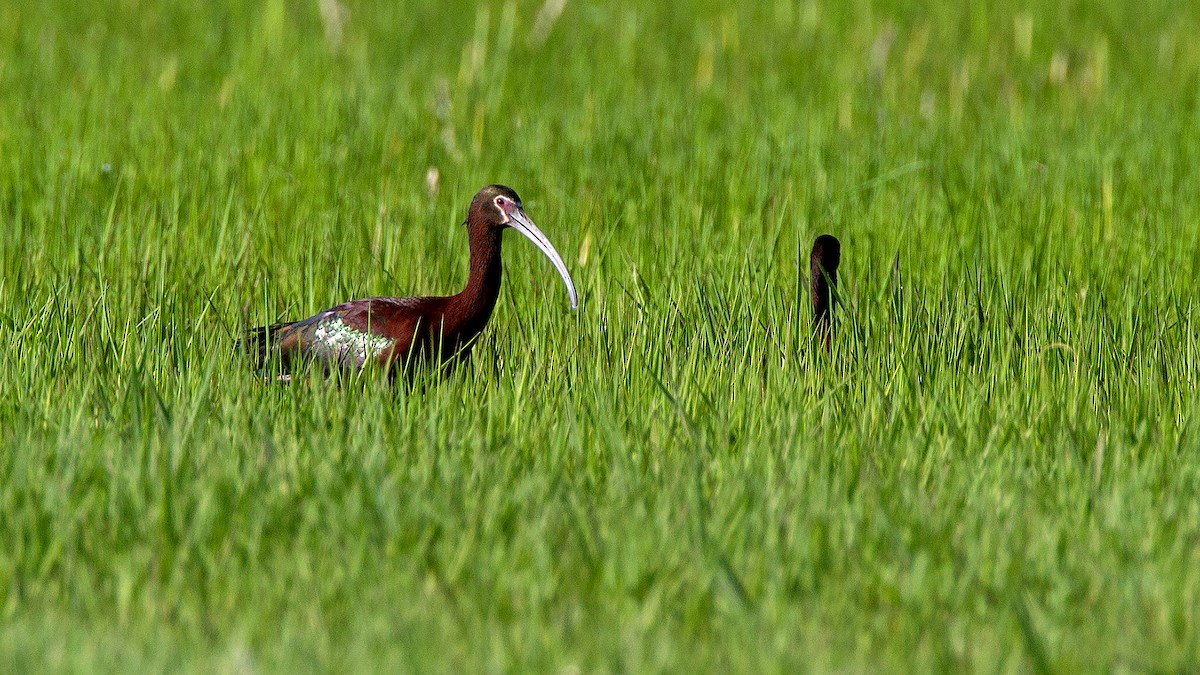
x: 498, y: 207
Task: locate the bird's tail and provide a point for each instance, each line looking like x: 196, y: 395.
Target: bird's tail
x: 261, y: 343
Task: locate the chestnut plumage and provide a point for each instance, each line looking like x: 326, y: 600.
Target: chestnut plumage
x: 395, y: 331
x: 823, y: 265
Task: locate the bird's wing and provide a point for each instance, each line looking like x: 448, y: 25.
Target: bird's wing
x: 352, y: 333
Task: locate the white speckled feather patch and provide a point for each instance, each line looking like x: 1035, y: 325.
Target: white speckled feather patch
x: 347, y: 345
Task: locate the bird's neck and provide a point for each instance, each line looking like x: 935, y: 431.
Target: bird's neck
x: 822, y: 297
x: 474, y: 304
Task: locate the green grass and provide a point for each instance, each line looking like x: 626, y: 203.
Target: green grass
x: 996, y: 469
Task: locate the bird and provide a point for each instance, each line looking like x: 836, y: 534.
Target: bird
x: 823, y: 264
x: 393, y: 332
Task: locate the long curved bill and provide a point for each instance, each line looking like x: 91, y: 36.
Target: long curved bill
x: 523, y: 224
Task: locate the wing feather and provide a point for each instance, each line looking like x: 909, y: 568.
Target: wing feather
x: 345, y: 336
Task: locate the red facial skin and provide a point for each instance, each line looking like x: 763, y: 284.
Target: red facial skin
x: 395, y: 331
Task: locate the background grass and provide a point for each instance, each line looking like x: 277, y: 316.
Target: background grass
x: 996, y: 469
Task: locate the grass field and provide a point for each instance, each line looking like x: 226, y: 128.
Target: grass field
x: 996, y: 469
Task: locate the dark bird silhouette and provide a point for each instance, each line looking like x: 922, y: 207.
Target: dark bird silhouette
x: 823, y: 265
x: 395, y: 331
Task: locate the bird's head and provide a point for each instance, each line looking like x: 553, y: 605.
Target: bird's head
x: 826, y: 255
x: 497, y: 207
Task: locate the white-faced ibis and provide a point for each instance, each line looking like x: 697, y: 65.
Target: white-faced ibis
x: 823, y: 264
x: 393, y: 331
